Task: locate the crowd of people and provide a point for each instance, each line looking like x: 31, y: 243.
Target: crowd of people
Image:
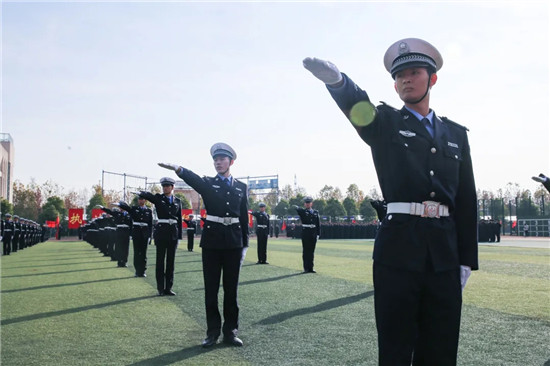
x: 19, y: 233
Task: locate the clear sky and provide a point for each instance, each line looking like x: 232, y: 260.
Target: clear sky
x: 92, y: 86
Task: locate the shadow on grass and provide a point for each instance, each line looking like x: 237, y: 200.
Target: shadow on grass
x: 53, y: 264
x: 189, y: 271
x: 69, y: 311
x: 173, y: 357
x: 64, y: 285
x: 257, y: 281
x: 315, y: 309
x: 59, y: 272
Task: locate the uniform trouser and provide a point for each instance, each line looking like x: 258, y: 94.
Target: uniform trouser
x: 15, y: 241
x: 309, y: 241
x: 14, y: 245
x: 262, y: 245
x: 166, y: 248
x: 122, y: 245
x: 214, y: 262
x: 111, y: 241
x: 7, y: 244
x: 22, y: 242
x: 139, y: 242
x: 417, y: 316
x: 190, y: 239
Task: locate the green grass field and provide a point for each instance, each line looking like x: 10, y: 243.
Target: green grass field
x: 63, y: 303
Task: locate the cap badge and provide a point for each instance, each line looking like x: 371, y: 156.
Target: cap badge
x: 403, y: 48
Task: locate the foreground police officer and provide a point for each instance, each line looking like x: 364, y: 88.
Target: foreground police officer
x: 142, y: 228
x: 168, y: 231
x: 427, y: 243
x: 224, y: 240
x: 311, y: 229
x: 262, y: 230
x: 7, y: 234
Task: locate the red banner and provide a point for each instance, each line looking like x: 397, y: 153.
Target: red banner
x: 185, y: 215
x: 203, y: 214
x: 50, y: 223
x: 96, y: 212
x: 75, y: 217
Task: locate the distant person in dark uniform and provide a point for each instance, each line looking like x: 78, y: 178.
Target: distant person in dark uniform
x: 142, y: 229
x: 168, y: 231
x: 311, y: 229
x: 544, y: 180
x: 262, y: 230
x: 224, y: 241
x: 427, y: 244
x: 123, y: 226
x: 191, y: 229
x: 7, y: 234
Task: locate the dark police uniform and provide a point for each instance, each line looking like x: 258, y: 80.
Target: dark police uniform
x: 262, y: 230
x: 142, y: 228
x: 7, y: 234
x: 311, y: 229
x: 123, y: 223
x: 191, y: 229
x: 167, y: 232
x: 16, y: 232
x: 224, y: 242
x: 418, y: 253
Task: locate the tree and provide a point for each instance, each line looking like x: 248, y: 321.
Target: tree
x: 320, y: 205
x: 26, y: 201
x: 5, y: 206
x: 335, y: 208
x: 184, y: 202
x: 295, y: 201
x: 281, y: 209
x: 328, y: 192
x: 53, y: 208
x: 97, y: 199
x: 355, y: 193
x: 351, y: 206
x: 367, y: 211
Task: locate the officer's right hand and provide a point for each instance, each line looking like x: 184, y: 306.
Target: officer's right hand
x: 173, y: 167
x: 323, y: 70
x: 295, y: 207
x: 136, y: 193
x: 541, y: 178
x: 99, y: 206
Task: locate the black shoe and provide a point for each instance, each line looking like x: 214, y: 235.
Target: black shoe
x: 209, y: 341
x: 312, y: 271
x: 264, y: 262
x: 234, y: 341
x: 160, y: 293
x: 169, y: 293
x: 258, y: 262
x: 142, y: 275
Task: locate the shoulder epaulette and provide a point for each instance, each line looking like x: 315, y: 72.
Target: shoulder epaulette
x: 446, y: 120
x: 388, y: 106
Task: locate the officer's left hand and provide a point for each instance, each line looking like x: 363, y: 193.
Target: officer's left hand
x: 169, y: 166
x: 323, y: 70
x: 465, y: 272
x: 541, y: 178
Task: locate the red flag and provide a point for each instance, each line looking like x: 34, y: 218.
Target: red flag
x: 203, y: 214
x: 50, y: 223
x: 185, y: 215
x: 284, y: 226
x: 75, y: 217
x: 250, y: 222
x: 96, y: 212
x: 514, y: 224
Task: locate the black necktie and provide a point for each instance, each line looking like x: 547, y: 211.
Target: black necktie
x: 428, y: 125
x: 227, y: 182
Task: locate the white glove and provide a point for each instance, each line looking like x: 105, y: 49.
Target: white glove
x: 99, y: 206
x: 173, y: 167
x: 323, y: 70
x: 134, y: 192
x: 465, y: 272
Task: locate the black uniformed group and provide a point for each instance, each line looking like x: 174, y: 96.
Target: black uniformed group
x: 19, y: 233
x: 489, y: 231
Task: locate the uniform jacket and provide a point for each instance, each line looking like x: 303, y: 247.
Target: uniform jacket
x: 191, y: 226
x: 221, y: 201
x: 414, y: 167
x: 138, y: 214
x: 166, y: 210
x: 120, y: 218
x: 310, y: 217
x: 262, y: 218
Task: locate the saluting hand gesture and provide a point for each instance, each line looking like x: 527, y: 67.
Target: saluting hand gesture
x: 169, y: 166
x: 323, y: 70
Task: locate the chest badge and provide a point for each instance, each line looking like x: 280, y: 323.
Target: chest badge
x: 407, y: 133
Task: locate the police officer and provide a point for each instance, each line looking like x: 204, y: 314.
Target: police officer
x: 311, y: 229
x: 191, y: 229
x: 167, y: 232
x: 7, y: 234
x: 123, y: 223
x: 262, y: 230
x: 224, y: 240
x: 427, y: 243
x: 142, y: 229
x: 544, y: 180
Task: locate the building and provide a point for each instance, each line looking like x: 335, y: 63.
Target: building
x: 6, y: 167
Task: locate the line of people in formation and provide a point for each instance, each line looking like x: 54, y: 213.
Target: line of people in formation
x: 19, y: 233
x: 489, y: 231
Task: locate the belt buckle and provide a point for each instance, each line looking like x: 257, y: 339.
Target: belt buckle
x: 227, y: 221
x: 431, y: 209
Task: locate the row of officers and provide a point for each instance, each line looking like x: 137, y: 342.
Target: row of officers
x: 19, y: 233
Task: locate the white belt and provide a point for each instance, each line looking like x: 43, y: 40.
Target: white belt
x: 425, y: 209
x: 262, y: 226
x: 309, y: 225
x: 223, y: 220
x: 190, y: 228
x: 92, y: 230
x: 139, y: 223
x: 101, y: 228
x: 122, y: 225
x: 7, y: 230
x: 167, y: 221
x: 110, y: 228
